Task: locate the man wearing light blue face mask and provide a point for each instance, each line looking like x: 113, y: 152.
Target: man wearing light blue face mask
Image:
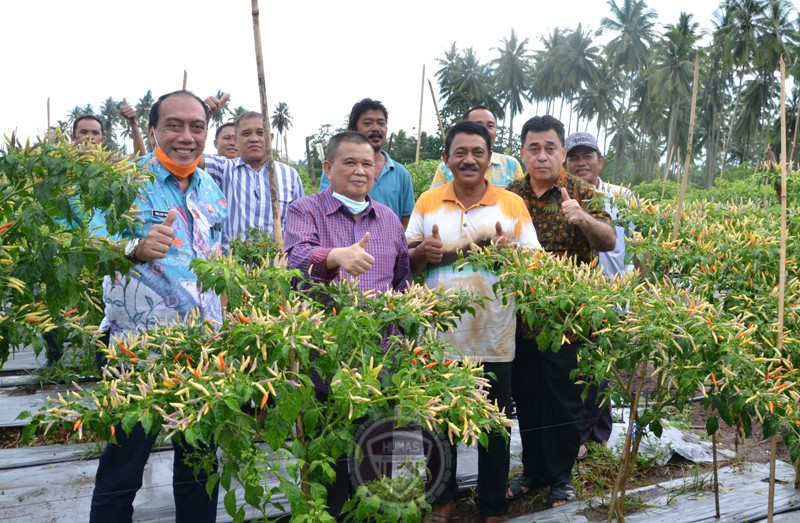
x: 341, y: 230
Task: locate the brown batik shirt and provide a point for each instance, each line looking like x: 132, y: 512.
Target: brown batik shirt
x: 554, y: 232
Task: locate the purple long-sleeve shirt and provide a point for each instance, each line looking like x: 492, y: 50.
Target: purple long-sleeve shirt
x: 317, y: 223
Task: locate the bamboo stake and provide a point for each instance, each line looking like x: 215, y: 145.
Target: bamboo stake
x: 310, y: 157
x: 688, y: 161
x: 794, y: 136
x: 781, y: 281
x: 419, y: 126
x: 389, y: 146
x: 47, y: 134
x: 185, y: 78
x: 666, y: 170
x: 436, y: 108
x: 300, y: 432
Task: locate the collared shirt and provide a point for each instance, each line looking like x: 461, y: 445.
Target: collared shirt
x: 555, y: 233
x: 489, y: 334
x: 318, y: 223
x: 392, y: 187
x: 248, y: 192
x: 613, y: 262
x: 503, y: 169
x: 166, y: 290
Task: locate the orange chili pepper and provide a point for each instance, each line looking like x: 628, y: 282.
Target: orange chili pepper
x: 414, y: 361
x: 221, y: 362
x: 771, y: 408
x: 334, y: 311
x: 33, y: 320
x: 430, y: 365
x: 113, y: 430
x: 713, y: 379
x: 417, y: 351
x: 264, y: 401
x: 70, y: 312
x: 77, y: 424
x: 530, y: 288
x: 177, y: 356
x: 242, y: 318
x: 391, y: 306
x: 5, y: 226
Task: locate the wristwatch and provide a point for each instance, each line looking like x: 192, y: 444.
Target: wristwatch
x: 130, y: 250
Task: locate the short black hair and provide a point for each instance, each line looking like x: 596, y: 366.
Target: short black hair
x: 343, y: 137
x: 88, y: 117
x: 246, y: 116
x: 152, y: 120
x: 543, y: 123
x: 467, y: 127
x: 220, y: 128
x: 362, y: 106
x: 465, y: 116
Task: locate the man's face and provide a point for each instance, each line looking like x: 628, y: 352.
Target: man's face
x: 372, y: 124
x: 226, y: 143
x: 543, y: 156
x: 250, y: 141
x: 89, y: 130
x: 181, y: 129
x: 352, y: 170
x: 486, y: 119
x: 468, y: 159
x: 585, y: 163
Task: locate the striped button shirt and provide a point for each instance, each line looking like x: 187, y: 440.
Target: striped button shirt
x: 318, y: 223
x: 248, y: 194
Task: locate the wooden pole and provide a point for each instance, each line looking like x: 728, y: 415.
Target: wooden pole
x: 794, y: 138
x: 389, y: 145
x: 47, y: 134
x: 688, y: 161
x: 419, y: 126
x: 781, y: 281
x: 185, y: 78
x: 310, y: 157
x: 724, y: 154
x: 436, y: 108
x: 262, y: 91
x: 716, y: 473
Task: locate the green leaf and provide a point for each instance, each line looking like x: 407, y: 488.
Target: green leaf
x: 230, y: 502
x: 712, y: 424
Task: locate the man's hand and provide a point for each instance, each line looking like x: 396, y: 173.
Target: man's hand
x: 572, y: 208
x: 215, y: 104
x: 432, y: 246
x: 499, y: 240
x: 159, y: 239
x: 127, y: 112
x: 354, y: 260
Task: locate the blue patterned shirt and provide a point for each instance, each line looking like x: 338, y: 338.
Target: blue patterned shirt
x: 503, y: 169
x: 165, y: 290
x: 248, y: 192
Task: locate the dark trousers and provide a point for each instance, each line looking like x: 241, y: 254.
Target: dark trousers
x: 494, y: 461
x: 596, y: 422
x: 119, y: 477
x: 548, y: 410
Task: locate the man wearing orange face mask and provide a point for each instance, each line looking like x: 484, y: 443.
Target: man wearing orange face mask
x: 184, y: 215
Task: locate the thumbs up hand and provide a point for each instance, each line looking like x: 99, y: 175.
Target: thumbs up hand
x: 159, y: 239
x: 571, y: 208
x: 354, y: 260
x: 499, y: 239
x: 432, y: 246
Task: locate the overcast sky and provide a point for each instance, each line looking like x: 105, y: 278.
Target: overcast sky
x: 320, y: 57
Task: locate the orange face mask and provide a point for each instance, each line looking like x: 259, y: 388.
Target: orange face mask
x: 180, y: 171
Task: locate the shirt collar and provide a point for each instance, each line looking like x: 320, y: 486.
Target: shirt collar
x: 161, y: 173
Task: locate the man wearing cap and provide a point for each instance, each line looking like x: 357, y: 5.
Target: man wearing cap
x: 503, y: 169
x: 585, y: 161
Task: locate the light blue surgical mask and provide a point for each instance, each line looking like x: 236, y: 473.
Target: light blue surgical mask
x: 352, y: 205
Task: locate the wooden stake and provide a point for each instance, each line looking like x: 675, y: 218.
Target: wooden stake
x: 436, y: 108
x: 419, y: 126
x: 389, y: 146
x: 794, y: 138
x: 688, y: 161
x: 781, y: 282
x: 716, y: 474
x: 310, y: 157
x: 185, y: 78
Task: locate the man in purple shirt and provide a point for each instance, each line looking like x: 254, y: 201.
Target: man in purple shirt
x: 341, y: 232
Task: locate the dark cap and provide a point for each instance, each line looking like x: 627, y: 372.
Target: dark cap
x: 581, y: 139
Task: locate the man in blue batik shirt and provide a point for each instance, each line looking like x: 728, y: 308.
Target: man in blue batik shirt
x: 184, y: 214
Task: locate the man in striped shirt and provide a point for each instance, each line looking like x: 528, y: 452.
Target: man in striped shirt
x: 245, y: 182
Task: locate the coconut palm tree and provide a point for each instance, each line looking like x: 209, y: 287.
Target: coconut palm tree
x: 464, y: 82
x: 577, y: 64
x: 512, y: 73
x: 282, y: 121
